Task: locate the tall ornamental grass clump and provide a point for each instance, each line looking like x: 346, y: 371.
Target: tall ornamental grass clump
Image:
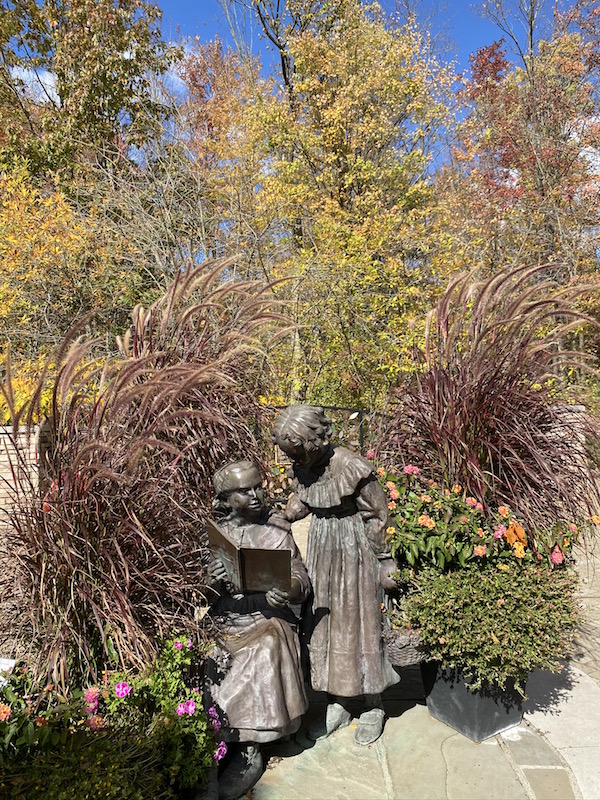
x: 108, y: 547
x: 483, y: 407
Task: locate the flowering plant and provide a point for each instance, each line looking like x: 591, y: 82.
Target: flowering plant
x: 155, y: 718
x: 448, y: 528
x: 485, y: 594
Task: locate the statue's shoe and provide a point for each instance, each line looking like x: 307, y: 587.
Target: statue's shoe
x: 336, y: 717
x: 370, y: 726
x: 242, y: 772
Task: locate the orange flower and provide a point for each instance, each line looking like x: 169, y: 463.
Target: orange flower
x: 426, y: 521
x: 457, y: 488
x: 425, y: 498
x: 503, y: 511
x: 515, y: 532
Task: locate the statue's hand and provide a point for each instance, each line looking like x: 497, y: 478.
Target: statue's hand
x: 276, y: 598
x: 386, y: 567
x: 217, y: 571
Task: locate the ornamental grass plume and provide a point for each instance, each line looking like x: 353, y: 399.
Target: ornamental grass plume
x: 109, y: 546
x: 483, y: 406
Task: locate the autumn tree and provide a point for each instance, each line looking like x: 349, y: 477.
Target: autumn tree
x: 76, y: 76
x: 523, y: 179
x: 349, y: 138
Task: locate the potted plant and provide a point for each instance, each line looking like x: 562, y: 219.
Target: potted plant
x: 491, y: 602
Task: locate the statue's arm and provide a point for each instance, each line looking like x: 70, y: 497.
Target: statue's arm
x: 372, y: 503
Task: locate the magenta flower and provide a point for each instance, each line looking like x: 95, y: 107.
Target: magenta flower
x: 190, y: 707
x: 122, y: 689
x: 181, y: 709
x: 410, y: 469
x: 220, y: 752
x: 371, y: 454
x: 556, y: 557
x: 499, y: 532
x: 92, y: 708
x: 189, y: 644
x: 177, y: 645
x: 212, y: 713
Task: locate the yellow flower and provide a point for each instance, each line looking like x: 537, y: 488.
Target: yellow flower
x: 457, y: 488
x: 566, y: 542
x: 519, y: 550
x: 595, y: 519
x: 390, y: 530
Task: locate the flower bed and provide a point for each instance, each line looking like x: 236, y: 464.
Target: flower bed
x: 130, y: 737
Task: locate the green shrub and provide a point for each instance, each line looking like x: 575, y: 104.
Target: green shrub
x: 495, y: 621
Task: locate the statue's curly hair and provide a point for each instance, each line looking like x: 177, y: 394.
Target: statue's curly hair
x: 303, y: 424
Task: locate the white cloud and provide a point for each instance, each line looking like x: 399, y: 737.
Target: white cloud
x: 39, y: 85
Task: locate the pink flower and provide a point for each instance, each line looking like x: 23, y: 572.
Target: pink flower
x: 392, y: 505
x: 92, y: 708
x: 394, y: 494
x: 464, y: 518
x: 122, y: 689
x: 410, y: 469
x: 381, y: 472
x: 5, y: 712
x: 390, y: 485
x: 556, y: 557
x: 479, y: 507
x: 181, y: 709
x: 177, y: 645
x: 220, y: 752
x: 371, y: 454
x: 190, y: 707
x: 470, y: 501
x: 503, y: 511
x: 573, y: 528
x: 480, y: 550
x: 92, y: 694
x: 499, y: 532
x: 189, y: 644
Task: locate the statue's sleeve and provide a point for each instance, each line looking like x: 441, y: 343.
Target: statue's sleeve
x: 372, y: 504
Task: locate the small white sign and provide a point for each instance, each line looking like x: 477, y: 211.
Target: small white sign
x: 6, y: 665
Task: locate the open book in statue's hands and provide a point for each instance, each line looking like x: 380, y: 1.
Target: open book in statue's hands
x: 251, y: 569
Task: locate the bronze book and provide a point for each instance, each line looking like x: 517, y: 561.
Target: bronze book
x: 251, y: 569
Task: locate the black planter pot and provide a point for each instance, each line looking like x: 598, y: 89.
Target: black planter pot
x: 477, y: 715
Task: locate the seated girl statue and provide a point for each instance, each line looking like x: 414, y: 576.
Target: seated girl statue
x: 254, y: 674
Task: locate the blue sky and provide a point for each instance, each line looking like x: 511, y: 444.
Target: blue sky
x: 464, y: 29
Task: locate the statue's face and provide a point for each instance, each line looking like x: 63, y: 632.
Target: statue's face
x: 247, y: 500
x: 305, y: 454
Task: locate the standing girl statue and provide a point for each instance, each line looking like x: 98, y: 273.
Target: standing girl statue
x: 348, y: 566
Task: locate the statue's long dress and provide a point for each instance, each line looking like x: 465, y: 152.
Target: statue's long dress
x: 255, y: 674
x: 346, y: 536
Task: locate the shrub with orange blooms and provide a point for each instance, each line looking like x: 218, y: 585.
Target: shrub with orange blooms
x: 448, y: 529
